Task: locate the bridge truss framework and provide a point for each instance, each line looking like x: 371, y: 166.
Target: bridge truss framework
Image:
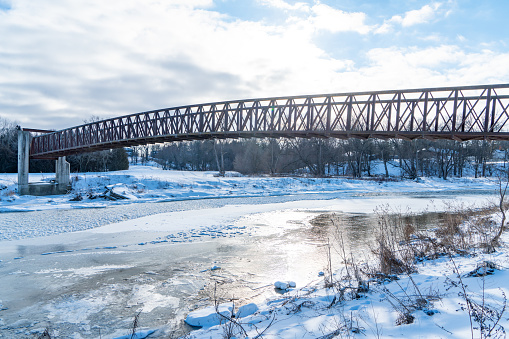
x: 458, y: 113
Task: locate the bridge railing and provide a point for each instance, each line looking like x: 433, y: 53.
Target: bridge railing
x: 461, y: 113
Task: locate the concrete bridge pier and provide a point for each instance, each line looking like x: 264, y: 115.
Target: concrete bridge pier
x: 62, y: 182
x: 63, y: 175
x: 23, y: 160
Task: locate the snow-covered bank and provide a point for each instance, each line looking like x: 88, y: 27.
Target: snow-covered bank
x: 151, y: 184
x: 307, y: 312
x: 95, y: 194
x: 449, y: 297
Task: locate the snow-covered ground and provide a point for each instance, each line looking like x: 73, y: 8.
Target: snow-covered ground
x: 142, y: 186
x: 151, y: 184
x: 443, y: 299
x: 306, y: 311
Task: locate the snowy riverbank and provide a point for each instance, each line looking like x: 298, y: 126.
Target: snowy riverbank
x: 151, y: 184
x: 305, y: 311
x: 455, y: 287
x: 436, y: 297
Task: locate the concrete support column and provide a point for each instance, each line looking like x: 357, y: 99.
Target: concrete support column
x: 63, y: 174
x: 23, y: 157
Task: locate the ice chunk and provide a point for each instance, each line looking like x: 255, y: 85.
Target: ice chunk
x: 284, y: 285
x: 281, y: 285
x: 208, y: 316
x: 246, y: 310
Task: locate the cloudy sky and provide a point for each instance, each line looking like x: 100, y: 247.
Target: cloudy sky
x: 64, y: 61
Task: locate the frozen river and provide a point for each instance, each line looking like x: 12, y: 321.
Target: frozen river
x: 100, y: 267
x: 20, y: 225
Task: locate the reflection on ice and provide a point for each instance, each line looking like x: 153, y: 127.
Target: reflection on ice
x: 83, y: 271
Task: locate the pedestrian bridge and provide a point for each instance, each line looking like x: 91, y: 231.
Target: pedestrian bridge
x: 456, y: 113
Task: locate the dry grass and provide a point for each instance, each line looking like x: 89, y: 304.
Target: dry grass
x: 399, y: 243
x: 392, y: 254
x: 462, y: 230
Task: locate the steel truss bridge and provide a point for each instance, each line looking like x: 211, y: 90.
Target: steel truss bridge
x: 456, y: 113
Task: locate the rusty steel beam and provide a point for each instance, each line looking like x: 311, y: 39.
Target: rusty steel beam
x: 455, y: 113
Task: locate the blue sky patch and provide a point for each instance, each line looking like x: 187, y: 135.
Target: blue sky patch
x: 4, y: 5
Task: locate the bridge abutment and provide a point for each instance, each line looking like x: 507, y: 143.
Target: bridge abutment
x: 62, y: 183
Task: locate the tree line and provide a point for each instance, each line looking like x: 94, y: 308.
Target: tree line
x: 338, y: 157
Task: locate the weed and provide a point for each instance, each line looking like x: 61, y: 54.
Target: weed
x: 393, y: 256
x: 480, y: 309
x: 502, y: 190
x: 352, y: 280
x: 233, y: 327
x: 377, y: 329
x: 410, y: 302
x: 134, y: 327
x: 346, y: 326
x: 45, y: 334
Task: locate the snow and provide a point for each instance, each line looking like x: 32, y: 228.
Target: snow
x: 72, y: 309
x: 210, y: 316
x: 142, y: 184
x: 144, y: 295
x: 138, y: 335
x: 305, y: 312
x: 284, y: 285
x: 246, y: 310
x: 83, y: 272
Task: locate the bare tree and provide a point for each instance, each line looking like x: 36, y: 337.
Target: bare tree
x: 385, y: 153
x: 219, y: 156
x: 312, y: 153
x: 444, y: 156
x: 481, y: 151
x: 8, y: 146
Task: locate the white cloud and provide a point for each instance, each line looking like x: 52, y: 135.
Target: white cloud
x: 281, y: 4
x: 62, y: 62
x: 446, y: 65
x: 322, y: 17
x: 432, y: 57
x: 335, y: 20
x: 419, y: 16
x: 437, y: 38
x: 414, y: 17
x: 385, y: 28
x: 117, y: 57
